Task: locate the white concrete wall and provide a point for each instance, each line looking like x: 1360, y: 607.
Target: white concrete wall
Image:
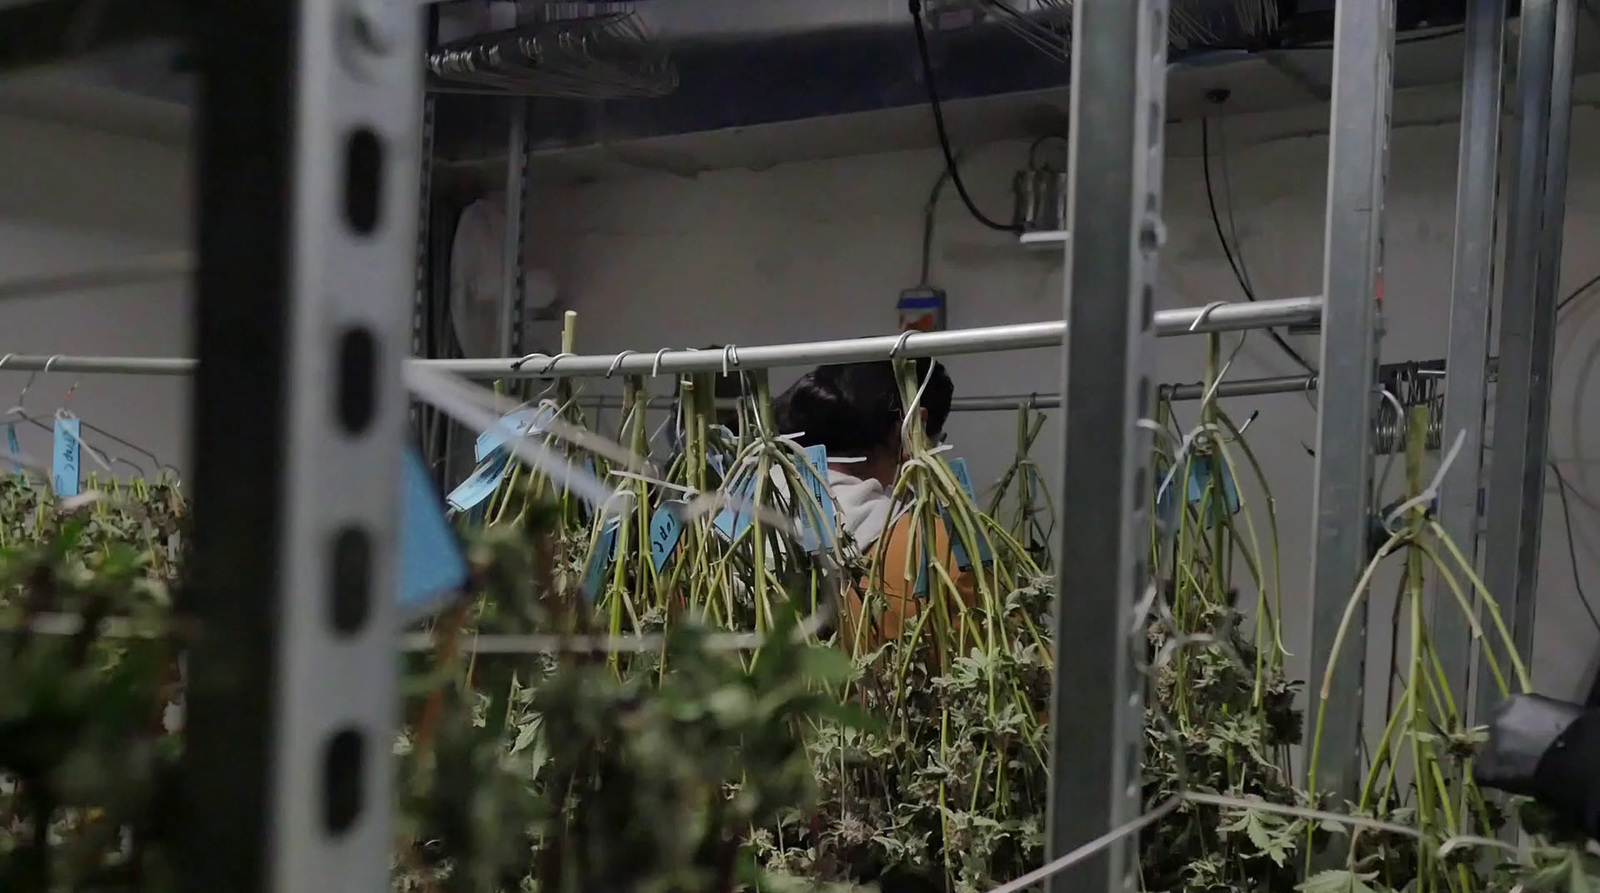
x: 821, y: 250
x: 72, y: 198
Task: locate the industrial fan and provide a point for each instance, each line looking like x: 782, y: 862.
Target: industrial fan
x: 1046, y: 25
x: 477, y: 280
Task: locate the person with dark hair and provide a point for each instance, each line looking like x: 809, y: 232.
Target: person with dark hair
x: 856, y: 411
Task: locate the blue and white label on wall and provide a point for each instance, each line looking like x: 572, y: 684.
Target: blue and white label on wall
x: 432, y: 567
x: 815, y: 535
x: 520, y: 422
x: 734, y: 520
x: 481, y: 484
x: 958, y: 467
x: 666, y: 530
x: 67, y: 455
x: 605, y: 549
x: 14, y: 447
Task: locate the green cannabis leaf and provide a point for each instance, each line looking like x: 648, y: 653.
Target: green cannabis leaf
x: 1337, y: 881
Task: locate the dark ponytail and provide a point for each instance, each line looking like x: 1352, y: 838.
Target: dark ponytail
x: 856, y: 408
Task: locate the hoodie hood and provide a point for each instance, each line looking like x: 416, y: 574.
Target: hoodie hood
x: 865, y: 507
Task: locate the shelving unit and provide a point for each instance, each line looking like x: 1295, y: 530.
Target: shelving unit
x: 317, y: 132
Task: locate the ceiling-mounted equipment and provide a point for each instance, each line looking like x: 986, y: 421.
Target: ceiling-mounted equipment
x: 581, y: 50
x: 1040, y: 190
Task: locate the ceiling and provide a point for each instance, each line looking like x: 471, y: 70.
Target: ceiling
x: 770, y: 81
x: 1427, y: 79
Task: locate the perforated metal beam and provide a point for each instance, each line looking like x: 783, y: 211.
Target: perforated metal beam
x: 1536, y: 206
x: 1118, y: 121
x: 1352, y: 259
x: 1471, y: 301
x: 308, y: 193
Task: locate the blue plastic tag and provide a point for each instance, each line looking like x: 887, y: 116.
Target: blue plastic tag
x: 67, y: 452
x: 481, y: 484
x: 814, y: 474
x: 432, y: 566
x: 958, y: 467
x: 520, y: 422
x: 666, y: 529
x: 1200, y: 479
x: 14, y: 447
x: 734, y: 520
x: 921, y: 587
x: 594, y: 575
x: 1035, y: 486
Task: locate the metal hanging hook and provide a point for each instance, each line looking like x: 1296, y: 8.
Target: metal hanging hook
x: 1205, y: 313
x: 617, y: 361
x: 655, y: 367
x: 551, y: 363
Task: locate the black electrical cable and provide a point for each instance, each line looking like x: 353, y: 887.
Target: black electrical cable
x: 1576, y: 292
x: 938, y: 122
x: 1572, y: 546
x: 1227, y: 250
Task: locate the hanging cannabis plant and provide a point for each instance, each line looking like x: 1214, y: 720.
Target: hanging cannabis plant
x: 87, y: 761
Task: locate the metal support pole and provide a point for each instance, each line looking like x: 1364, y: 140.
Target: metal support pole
x: 514, y: 272
x: 1118, y: 112
x: 420, y: 303
x: 1471, y: 299
x: 1352, y: 287
x: 1527, y: 324
x: 308, y: 150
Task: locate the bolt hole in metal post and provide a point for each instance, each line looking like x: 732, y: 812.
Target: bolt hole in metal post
x: 358, y: 398
x: 342, y: 772
x: 352, y: 581
x: 363, y: 181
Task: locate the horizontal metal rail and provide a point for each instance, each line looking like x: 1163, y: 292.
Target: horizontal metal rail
x: 988, y: 339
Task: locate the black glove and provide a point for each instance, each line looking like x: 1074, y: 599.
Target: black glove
x: 1548, y: 750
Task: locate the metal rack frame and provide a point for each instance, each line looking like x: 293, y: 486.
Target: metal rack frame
x: 1118, y: 110
x: 982, y: 339
x: 309, y: 163
x: 302, y: 330
x: 1534, y: 223
x: 1352, y: 287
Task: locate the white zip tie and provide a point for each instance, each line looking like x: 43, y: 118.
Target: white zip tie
x: 457, y: 399
x: 1223, y: 372
x: 1430, y: 492
x: 916, y: 399
x: 656, y: 481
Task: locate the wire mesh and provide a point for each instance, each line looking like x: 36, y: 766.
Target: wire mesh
x: 584, y: 51
x: 1046, y: 25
